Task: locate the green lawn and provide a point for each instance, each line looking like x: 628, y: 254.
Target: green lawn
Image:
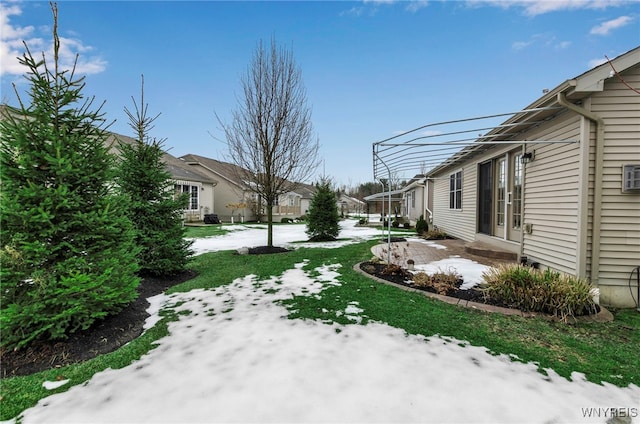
x: 603, y: 352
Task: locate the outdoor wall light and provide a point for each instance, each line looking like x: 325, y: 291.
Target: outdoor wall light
x: 527, y: 157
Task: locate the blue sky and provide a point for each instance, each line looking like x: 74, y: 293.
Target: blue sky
x: 372, y: 69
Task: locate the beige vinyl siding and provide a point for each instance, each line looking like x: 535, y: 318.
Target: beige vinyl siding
x: 620, y: 214
x: 460, y: 223
x: 551, y: 195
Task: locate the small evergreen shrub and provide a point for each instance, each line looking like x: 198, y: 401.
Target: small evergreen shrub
x: 406, y: 225
x: 395, y: 223
x: 286, y: 220
x: 323, y: 218
x: 548, y: 291
x: 155, y: 209
x: 362, y: 221
x: 421, y: 225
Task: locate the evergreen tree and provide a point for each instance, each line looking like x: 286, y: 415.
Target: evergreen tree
x: 421, y: 225
x: 66, y: 243
x: 323, y: 218
x: 155, y: 212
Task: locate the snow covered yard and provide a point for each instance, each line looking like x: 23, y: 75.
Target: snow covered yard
x: 234, y: 356
x: 289, y: 235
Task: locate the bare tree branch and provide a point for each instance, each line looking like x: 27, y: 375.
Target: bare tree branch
x: 270, y: 137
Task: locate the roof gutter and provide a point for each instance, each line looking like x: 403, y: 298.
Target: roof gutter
x: 597, y: 192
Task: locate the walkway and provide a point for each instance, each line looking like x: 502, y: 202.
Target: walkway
x: 427, y: 251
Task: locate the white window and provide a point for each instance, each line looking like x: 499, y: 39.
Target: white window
x: 193, y: 191
x: 455, y: 190
x: 501, y: 192
x: 517, y: 192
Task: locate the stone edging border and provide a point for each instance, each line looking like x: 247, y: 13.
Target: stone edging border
x: 603, y: 316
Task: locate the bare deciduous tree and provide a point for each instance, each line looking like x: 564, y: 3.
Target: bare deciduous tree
x: 270, y: 137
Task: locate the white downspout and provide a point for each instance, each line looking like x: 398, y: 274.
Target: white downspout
x: 426, y: 201
x: 597, y: 190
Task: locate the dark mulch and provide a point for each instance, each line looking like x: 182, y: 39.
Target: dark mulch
x: 264, y: 250
x: 103, y: 337
x: 404, y: 278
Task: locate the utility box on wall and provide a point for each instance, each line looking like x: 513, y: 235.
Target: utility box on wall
x: 631, y: 179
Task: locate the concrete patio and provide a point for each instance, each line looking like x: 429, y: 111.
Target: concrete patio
x: 427, y: 251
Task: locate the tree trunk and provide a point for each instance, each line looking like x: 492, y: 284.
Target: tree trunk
x: 270, y: 225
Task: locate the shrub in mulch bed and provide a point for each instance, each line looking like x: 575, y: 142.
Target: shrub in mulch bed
x: 566, y: 297
x: 548, y: 291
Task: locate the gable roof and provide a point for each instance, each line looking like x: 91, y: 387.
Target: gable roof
x: 232, y: 173
x: 224, y: 170
x: 178, y: 169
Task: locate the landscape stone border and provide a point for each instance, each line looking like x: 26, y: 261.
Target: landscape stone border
x: 603, y: 316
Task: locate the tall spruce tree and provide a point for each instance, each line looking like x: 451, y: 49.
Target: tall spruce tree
x: 323, y: 218
x: 66, y: 243
x: 155, y: 211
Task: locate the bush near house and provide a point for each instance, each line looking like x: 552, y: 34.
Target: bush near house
x: 421, y: 225
x: 443, y: 282
x: 548, y: 291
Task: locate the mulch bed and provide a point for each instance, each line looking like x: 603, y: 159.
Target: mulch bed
x: 404, y: 278
x: 103, y: 337
x: 263, y: 250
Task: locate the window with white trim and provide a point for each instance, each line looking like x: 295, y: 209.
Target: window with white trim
x: 501, y: 192
x: 455, y: 190
x: 517, y: 192
x: 193, y: 191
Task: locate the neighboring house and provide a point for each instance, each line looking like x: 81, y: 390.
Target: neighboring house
x: 572, y: 205
x: 304, y: 194
x: 381, y: 203
x: 417, y: 199
x: 350, y: 205
x: 186, y: 180
x: 236, y: 201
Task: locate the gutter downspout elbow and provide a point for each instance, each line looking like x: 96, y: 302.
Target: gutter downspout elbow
x: 597, y: 190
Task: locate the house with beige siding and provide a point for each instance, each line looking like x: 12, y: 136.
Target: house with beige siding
x: 348, y: 205
x: 417, y: 196
x: 236, y: 201
x: 185, y: 180
x: 565, y: 194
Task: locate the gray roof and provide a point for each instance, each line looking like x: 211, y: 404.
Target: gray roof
x: 178, y: 169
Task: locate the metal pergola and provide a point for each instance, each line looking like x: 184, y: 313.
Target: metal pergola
x: 438, y: 145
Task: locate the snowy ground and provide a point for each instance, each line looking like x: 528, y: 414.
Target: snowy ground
x: 237, y: 358
x: 290, y: 236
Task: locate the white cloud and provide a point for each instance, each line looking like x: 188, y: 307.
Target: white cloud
x: 539, y: 7
x: 415, y: 5
x: 545, y: 39
x: 519, y: 45
x: 12, y: 47
x: 606, y: 27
